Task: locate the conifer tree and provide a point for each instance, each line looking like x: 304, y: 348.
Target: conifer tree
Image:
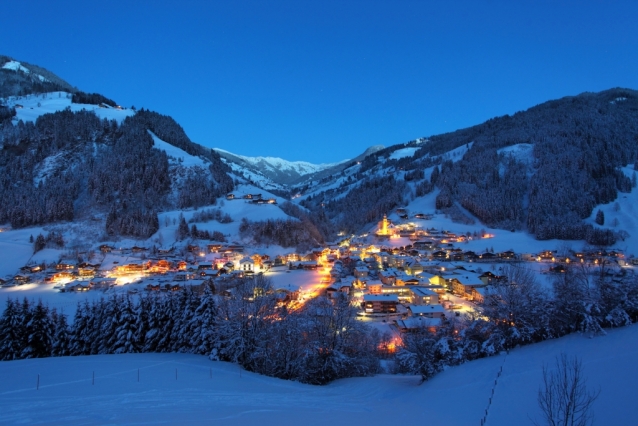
x: 11, y: 331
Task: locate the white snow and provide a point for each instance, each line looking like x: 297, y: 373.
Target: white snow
x: 33, y: 106
x: 622, y: 214
x: 190, y: 389
x: 522, y: 152
x: 180, y: 156
x: 276, y: 163
x: 15, y: 66
x: 404, y: 152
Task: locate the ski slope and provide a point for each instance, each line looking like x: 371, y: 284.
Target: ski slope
x: 190, y: 389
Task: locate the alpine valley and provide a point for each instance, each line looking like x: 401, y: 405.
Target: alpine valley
x: 411, y: 259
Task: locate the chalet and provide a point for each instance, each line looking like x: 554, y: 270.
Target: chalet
x: 205, y: 265
x: 423, y: 245
x: 252, y: 197
x: 428, y: 311
x: 63, y: 275
x: 192, y: 248
x: 418, y: 323
x: 230, y: 196
x: 208, y: 273
x: 76, y: 286
x: 424, y: 296
x: 247, y: 264
x: 32, y: 268
x: 464, y: 283
x: 213, y: 248
x: 546, y: 255
x: 470, y: 256
x: 131, y: 268
x: 62, y: 265
x: 187, y: 276
x: 288, y: 293
x: 137, y: 249
x: 162, y: 266
x: 165, y: 252
x: 440, y: 255
x: 488, y: 277
x: 331, y: 291
x: 361, y: 272
x: 456, y: 255
x: 103, y: 283
x: 487, y: 256
x: 21, y: 279
x: 309, y: 265
x: 18, y: 106
x: 507, y: 255
x: 380, y: 304
x: 87, y: 271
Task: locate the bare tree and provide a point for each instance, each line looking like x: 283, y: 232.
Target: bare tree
x: 563, y: 396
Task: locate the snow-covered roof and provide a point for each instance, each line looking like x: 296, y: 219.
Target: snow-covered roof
x: 381, y: 298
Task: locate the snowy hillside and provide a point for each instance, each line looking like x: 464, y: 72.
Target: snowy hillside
x: 189, y: 389
x: 17, y: 66
x: 30, y: 107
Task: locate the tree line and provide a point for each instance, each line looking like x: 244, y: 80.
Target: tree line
x: 321, y: 340
x: 317, y: 343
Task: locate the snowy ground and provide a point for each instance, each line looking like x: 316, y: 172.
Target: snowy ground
x: 34, y: 106
x: 189, y: 389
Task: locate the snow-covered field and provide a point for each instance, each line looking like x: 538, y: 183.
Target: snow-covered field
x: 189, y: 389
x: 34, y: 106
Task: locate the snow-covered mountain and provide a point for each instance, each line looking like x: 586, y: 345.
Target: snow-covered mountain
x: 276, y: 170
x: 277, y: 173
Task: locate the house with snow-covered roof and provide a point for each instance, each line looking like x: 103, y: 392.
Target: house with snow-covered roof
x: 380, y: 303
x: 429, y: 311
x: 424, y: 296
x: 463, y: 283
x: 247, y: 264
x: 413, y: 324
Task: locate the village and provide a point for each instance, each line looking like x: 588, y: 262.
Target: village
x: 401, y: 275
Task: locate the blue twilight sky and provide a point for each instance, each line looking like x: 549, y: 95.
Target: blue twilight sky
x: 322, y: 80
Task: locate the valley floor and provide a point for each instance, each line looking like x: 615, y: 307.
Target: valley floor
x: 188, y: 389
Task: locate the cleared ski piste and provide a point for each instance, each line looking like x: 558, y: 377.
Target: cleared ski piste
x: 189, y: 389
